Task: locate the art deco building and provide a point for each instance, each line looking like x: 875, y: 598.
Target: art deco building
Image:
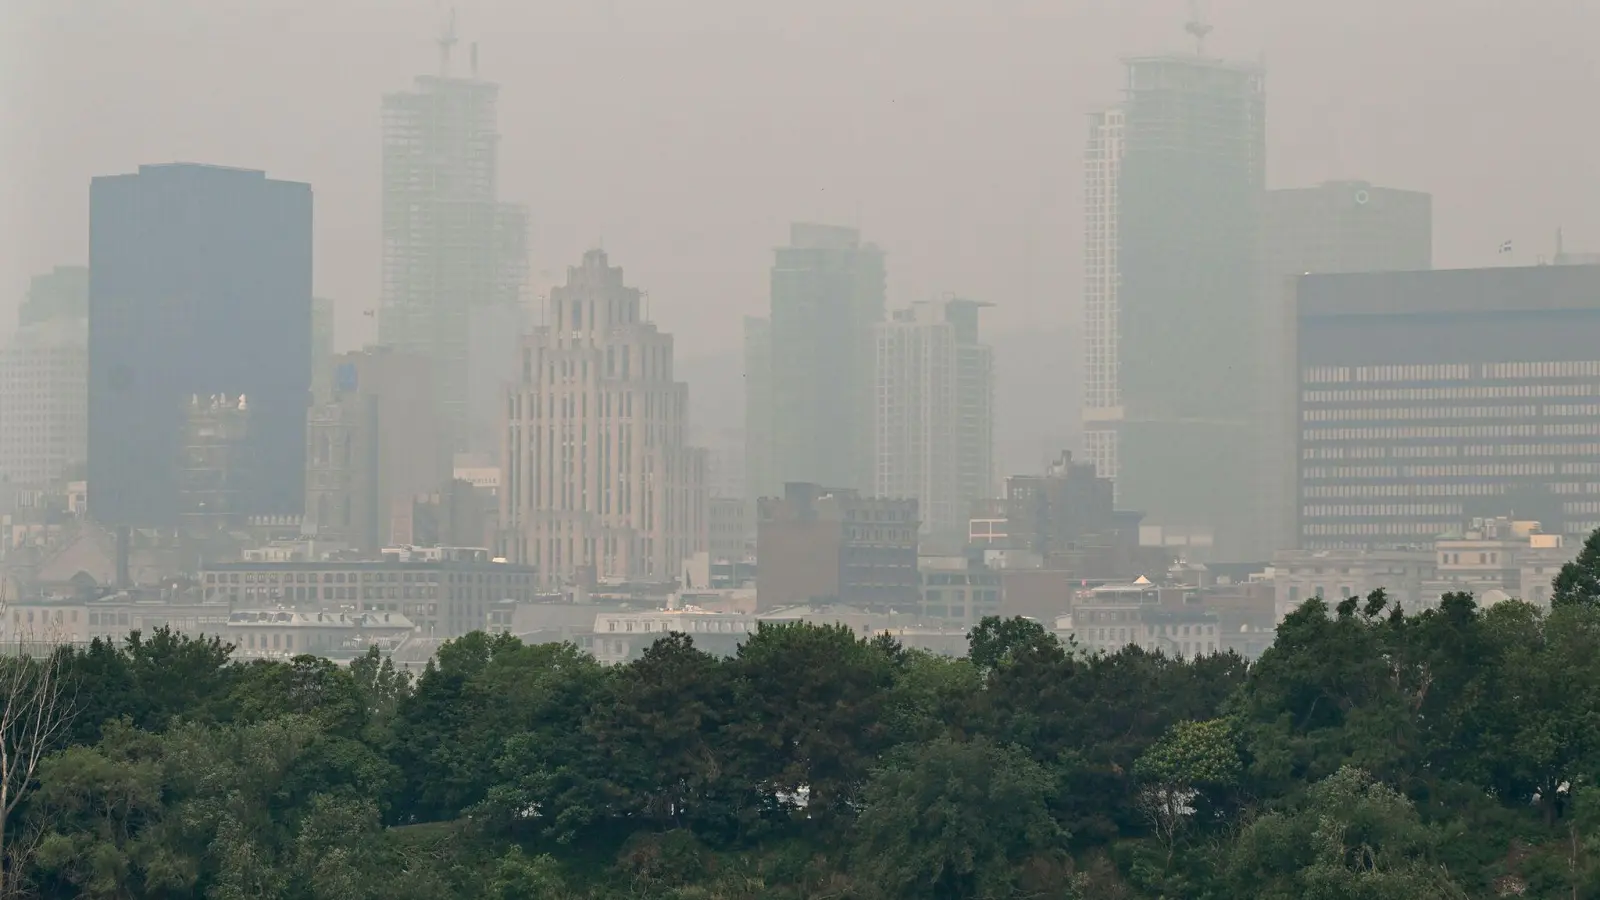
x: 600, y: 481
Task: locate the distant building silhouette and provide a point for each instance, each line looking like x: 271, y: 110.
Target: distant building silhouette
x: 933, y: 413
x: 453, y: 254
x: 202, y: 286
x: 1171, y: 302
x: 44, y: 382
x: 811, y: 406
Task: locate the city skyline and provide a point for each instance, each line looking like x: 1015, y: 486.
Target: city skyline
x: 1017, y: 200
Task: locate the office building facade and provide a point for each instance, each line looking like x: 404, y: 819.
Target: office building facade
x: 600, y: 480
x: 1169, y: 404
x: 933, y: 416
x: 202, y: 286
x: 1429, y: 399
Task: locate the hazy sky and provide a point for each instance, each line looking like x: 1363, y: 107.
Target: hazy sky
x: 687, y: 133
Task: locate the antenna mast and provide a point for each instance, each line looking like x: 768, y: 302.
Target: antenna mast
x: 1198, y: 27
x: 447, y: 39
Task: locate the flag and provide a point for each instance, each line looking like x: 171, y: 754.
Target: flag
x: 1506, y: 247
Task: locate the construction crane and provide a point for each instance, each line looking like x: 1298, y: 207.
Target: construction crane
x: 1198, y: 27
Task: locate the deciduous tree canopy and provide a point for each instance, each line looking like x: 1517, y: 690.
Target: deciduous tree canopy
x: 1370, y: 753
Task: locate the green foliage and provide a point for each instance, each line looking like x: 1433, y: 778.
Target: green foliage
x: 1578, y: 582
x: 1350, y: 837
x: 954, y: 819
x: 1371, y: 753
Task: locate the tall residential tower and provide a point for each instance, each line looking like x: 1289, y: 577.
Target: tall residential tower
x: 1102, y: 401
x: 454, y: 256
x: 933, y: 426
x: 599, y: 479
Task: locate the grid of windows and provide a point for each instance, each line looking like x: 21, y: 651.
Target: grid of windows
x: 1394, y: 455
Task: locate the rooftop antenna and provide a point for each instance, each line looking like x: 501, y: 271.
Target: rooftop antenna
x: 447, y: 39
x: 1198, y: 27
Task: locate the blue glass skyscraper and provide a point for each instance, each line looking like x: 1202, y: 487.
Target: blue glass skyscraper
x: 200, y: 285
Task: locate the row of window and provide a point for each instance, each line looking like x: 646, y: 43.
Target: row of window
x: 1428, y: 529
x: 1450, y: 372
x: 1464, y: 470
x: 1476, y: 392
x: 1317, y: 510
x: 1446, y: 451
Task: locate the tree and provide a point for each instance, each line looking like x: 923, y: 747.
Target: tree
x: 1578, y: 582
x: 809, y: 700
x: 1190, y: 758
x: 995, y: 641
x: 954, y: 819
x: 1350, y: 837
x: 36, y: 712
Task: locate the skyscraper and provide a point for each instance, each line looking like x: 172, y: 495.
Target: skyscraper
x: 827, y: 292
x: 599, y: 478
x: 933, y: 423
x: 201, y: 287
x: 452, y: 252
x: 1334, y: 227
x: 44, y: 381
x: 1171, y: 407
x: 1102, y: 401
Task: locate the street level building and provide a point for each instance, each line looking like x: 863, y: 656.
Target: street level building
x: 444, y: 592
x: 827, y: 545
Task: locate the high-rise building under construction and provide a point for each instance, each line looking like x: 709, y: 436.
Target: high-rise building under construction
x: 1171, y: 295
x: 454, y: 256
